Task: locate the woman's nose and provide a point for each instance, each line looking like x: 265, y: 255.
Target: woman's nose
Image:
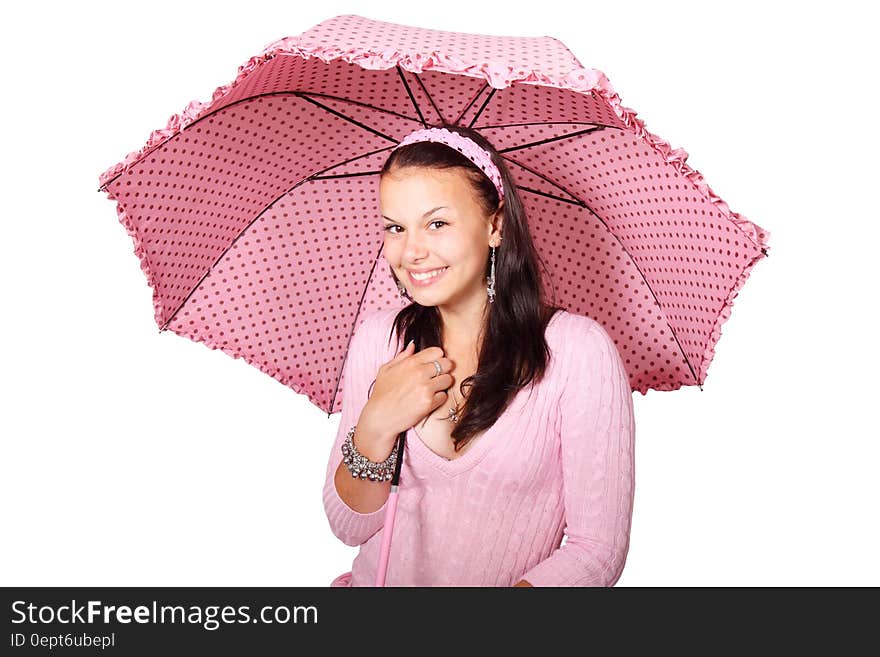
x: 413, y: 249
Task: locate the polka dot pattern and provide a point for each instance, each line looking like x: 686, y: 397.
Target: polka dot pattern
x: 255, y: 215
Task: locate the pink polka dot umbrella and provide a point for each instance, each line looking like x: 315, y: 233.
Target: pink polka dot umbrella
x: 256, y: 221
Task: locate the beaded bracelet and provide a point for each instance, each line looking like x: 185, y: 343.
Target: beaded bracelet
x: 360, y: 466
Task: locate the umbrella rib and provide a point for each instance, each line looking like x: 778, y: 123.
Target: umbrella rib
x: 357, y: 102
x: 351, y: 331
x: 251, y: 222
x: 300, y: 94
x: 355, y: 174
x: 635, y: 264
x: 471, y: 102
x: 430, y: 98
x: 482, y: 107
x: 551, y: 139
x: 553, y: 196
x: 348, y: 118
x: 548, y: 180
x: 412, y: 98
x: 531, y: 123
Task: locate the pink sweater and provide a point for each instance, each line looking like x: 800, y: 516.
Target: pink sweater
x: 560, y: 462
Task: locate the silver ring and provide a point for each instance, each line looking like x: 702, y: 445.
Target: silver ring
x: 437, y: 366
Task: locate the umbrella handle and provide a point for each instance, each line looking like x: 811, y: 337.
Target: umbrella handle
x: 390, y: 512
x: 385, y: 550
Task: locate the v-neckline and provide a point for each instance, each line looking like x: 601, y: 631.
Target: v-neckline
x: 452, y: 467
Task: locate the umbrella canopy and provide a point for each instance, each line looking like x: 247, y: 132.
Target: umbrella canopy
x: 256, y: 221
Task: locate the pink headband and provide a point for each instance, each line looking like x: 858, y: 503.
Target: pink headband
x: 466, y: 146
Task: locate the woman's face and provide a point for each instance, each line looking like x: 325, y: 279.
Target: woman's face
x: 421, y: 237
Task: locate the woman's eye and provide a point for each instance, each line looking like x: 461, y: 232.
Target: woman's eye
x: 388, y: 228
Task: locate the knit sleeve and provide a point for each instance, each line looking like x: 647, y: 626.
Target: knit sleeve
x: 351, y: 527
x: 597, y: 438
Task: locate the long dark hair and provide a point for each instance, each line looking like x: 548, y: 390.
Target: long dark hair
x: 513, y: 351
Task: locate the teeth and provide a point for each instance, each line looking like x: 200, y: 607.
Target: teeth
x: 424, y: 277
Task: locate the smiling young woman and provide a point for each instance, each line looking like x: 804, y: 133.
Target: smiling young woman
x: 531, y: 434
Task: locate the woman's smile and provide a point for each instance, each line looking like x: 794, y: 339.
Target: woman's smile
x: 428, y: 278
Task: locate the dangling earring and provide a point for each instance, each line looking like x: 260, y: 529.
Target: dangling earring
x: 490, y: 290
x: 402, y: 289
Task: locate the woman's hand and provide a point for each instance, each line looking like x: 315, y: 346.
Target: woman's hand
x: 406, y: 390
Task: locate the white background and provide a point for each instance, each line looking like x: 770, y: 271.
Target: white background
x: 134, y: 458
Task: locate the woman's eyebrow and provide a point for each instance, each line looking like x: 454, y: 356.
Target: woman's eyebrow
x: 427, y: 214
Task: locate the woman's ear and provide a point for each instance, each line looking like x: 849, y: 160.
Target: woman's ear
x: 498, y: 219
